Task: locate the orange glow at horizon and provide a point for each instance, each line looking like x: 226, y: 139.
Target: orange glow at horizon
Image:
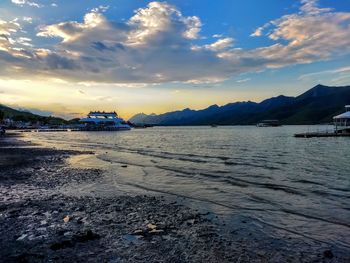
x: 70, y: 100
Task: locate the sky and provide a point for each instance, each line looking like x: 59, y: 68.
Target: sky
x: 65, y: 58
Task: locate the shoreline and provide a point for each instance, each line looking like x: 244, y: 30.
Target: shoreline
x: 39, y: 223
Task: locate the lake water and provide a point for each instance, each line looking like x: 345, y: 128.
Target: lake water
x: 299, y: 186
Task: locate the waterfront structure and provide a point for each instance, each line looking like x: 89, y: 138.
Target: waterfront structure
x: 342, y: 121
x: 341, y: 127
x: 104, y: 121
x: 268, y: 123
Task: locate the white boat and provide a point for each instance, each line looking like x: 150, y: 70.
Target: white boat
x: 342, y: 121
x: 268, y: 123
x: 104, y: 121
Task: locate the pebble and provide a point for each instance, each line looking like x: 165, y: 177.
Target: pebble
x: 151, y: 226
x: 69, y: 233
x: 328, y: 253
x: 22, y: 237
x: 156, y: 231
x: 138, y: 232
x: 47, y: 214
x: 79, y: 220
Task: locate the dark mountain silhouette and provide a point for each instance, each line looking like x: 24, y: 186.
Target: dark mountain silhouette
x: 317, y: 105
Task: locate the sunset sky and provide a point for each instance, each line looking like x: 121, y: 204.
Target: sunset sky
x: 65, y: 57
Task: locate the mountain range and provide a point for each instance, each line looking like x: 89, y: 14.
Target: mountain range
x: 317, y: 105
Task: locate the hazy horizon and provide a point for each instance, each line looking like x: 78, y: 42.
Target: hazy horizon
x: 66, y: 58
x: 44, y: 113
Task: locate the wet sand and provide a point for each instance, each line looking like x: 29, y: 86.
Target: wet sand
x: 40, y: 224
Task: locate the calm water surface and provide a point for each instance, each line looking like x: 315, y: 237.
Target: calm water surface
x: 300, y: 186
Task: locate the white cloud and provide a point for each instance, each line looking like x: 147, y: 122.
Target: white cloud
x: 7, y: 29
x: 28, y: 19
x: 338, y: 76
x: 313, y: 34
x: 101, y: 8
x: 243, y: 80
x: 217, y: 36
x: 221, y: 44
x: 153, y: 46
x: 259, y: 31
x: 26, y: 2
x: 161, y: 22
x: 341, y: 71
x: 310, y: 7
x: 159, y: 44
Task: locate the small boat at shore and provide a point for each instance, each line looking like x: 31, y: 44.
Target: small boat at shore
x: 104, y: 121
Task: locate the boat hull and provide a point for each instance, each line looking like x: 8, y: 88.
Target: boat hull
x: 106, y: 129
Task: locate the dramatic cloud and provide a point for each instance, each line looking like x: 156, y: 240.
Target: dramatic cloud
x: 159, y: 44
x: 154, y: 45
x: 313, y: 34
x: 7, y: 30
x: 12, y: 48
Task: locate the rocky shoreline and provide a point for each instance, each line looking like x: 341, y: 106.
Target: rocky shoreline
x: 40, y: 224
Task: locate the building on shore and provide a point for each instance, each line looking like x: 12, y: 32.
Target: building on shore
x: 342, y: 121
x: 268, y: 123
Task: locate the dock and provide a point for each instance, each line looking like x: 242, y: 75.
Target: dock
x: 341, y: 127
x: 84, y: 129
x: 49, y: 130
x: 320, y: 134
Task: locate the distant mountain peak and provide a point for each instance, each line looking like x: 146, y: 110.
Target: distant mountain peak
x: 317, y: 91
x: 319, y: 85
x: 213, y: 106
